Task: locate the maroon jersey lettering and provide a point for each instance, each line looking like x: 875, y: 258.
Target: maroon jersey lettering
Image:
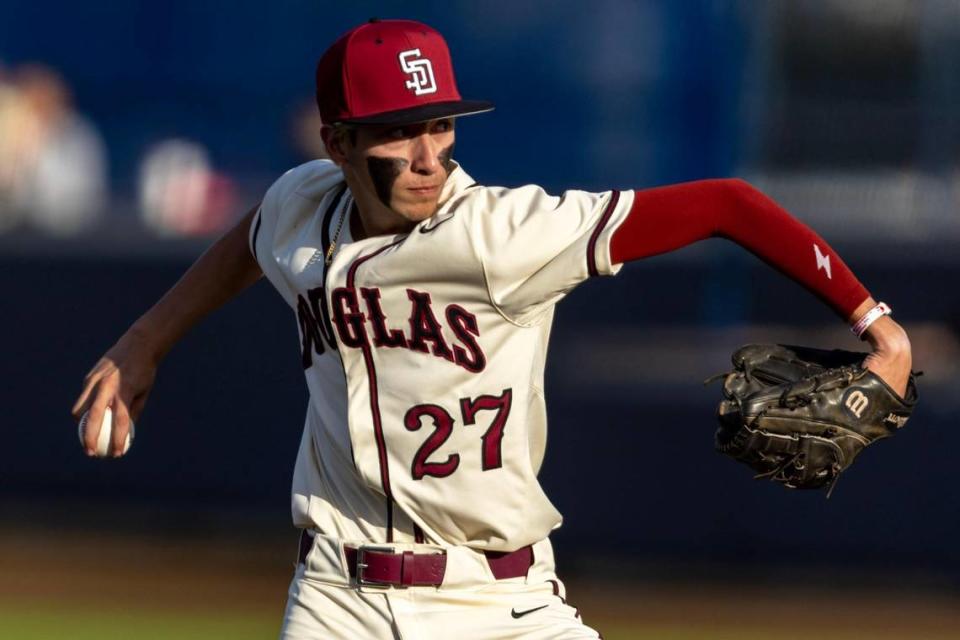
x: 492, y: 439
x: 347, y: 317
x: 443, y: 427
x: 424, y: 326
x: 318, y: 304
x: 310, y: 342
x: 464, y: 326
x: 382, y: 337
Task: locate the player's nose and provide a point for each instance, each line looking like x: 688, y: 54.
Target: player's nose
x: 424, y: 150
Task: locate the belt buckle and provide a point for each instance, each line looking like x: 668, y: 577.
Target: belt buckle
x: 361, y: 565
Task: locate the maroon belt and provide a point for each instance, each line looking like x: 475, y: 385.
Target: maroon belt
x: 381, y: 566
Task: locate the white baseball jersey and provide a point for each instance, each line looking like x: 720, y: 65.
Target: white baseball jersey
x: 424, y: 353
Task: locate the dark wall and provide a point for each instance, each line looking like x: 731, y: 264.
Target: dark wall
x: 630, y: 464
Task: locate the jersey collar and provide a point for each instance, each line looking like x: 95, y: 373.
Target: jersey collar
x: 457, y: 181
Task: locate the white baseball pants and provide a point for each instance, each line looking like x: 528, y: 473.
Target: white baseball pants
x: 323, y: 603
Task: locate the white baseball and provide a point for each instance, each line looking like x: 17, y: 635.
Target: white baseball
x: 106, y: 433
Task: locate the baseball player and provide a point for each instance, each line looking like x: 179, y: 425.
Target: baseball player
x: 424, y: 303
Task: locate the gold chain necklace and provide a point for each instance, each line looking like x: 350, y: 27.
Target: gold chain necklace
x: 336, y: 235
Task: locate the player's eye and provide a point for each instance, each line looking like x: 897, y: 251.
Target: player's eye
x: 442, y: 126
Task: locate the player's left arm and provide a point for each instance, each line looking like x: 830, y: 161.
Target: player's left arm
x: 668, y: 218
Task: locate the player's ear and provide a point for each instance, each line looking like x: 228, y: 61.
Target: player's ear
x: 335, y: 141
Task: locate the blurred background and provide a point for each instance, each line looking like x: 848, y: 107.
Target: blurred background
x: 132, y: 134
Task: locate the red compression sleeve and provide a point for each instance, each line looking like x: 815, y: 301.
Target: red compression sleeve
x: 668, y: 218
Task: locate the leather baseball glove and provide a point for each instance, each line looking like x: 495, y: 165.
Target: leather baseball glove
x: 800, y: 416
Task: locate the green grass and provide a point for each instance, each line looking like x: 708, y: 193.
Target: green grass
x: 33, y: 622
x: 36, y: 623
x: 695, y: 632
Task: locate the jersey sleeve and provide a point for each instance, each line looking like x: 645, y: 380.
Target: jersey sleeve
x: 286, y: 207
x: 535, y: 247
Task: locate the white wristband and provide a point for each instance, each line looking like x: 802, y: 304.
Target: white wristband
x: 869, y: 318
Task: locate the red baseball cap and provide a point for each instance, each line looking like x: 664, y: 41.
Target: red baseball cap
x: 390, y: 72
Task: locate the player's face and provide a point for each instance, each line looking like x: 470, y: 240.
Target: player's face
x: 401, y: 167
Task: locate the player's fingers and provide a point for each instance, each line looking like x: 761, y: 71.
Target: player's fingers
x: 90, y: 381
x: 80, y: 404
x: 101, y: 400
x: 121, y: 427
x: 103, y: 366
x: 84, y: 399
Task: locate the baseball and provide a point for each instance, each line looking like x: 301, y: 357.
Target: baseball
x: 106, y: 432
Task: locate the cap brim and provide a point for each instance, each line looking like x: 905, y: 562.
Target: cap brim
x: 422, y: 113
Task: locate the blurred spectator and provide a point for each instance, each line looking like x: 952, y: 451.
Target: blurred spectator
x: 12, y: 115
x: 181, y: 194
x: 52, y: 159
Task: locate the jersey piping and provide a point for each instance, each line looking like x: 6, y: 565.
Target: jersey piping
x: 256, y: 232
x: 374, y: 397
x: 601, y: 225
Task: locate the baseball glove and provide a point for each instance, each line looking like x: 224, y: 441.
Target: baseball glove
x: 800, y: 416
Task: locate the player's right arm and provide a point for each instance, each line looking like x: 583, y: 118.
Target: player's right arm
x: 123, y: 377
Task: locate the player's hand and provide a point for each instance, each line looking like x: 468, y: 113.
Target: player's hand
x: 121, y: 380
x: 891, y: 358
